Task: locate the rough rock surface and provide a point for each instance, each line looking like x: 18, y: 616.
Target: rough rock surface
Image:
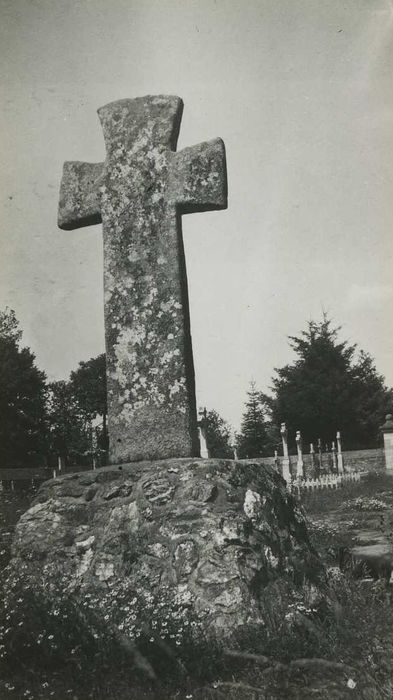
x: 212, y: 534
x: 139, y: 193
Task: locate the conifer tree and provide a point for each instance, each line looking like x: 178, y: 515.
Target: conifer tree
x: 328, y: 387
x: 252, y: 440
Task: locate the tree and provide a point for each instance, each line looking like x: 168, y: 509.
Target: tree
x: 9, y: 326
x: 69, y: 431
x: 372, y: 399
x: 23, y: 429
x: 218, y: 435
x: 326, y: 389
x: 253, y: 440
x: 88, y: 387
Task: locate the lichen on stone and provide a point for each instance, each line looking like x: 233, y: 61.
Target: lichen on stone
x: 139, y: 193
x: 154, y: 530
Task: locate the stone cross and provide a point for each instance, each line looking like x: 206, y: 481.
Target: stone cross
x: 139, y: 195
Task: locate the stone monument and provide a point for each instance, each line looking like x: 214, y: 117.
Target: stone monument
x: 206, y: 538
x: 139, y: 194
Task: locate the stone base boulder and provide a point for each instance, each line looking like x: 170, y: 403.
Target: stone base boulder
x: 161, y: 546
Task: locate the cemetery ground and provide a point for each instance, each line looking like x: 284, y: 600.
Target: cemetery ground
x: 339, y: 646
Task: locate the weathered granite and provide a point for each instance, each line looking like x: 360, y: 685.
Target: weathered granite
x: 215, y: 535
x: 139, y: 193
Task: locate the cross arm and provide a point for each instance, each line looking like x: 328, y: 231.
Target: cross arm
x: 199, y: 177
x: 79, y: 203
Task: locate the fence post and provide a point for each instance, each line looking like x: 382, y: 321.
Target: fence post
x: 300, y: 463
x: 340, y: 460
x: 286, y: 465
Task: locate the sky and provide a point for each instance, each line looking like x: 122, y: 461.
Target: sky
x: 301, y: 92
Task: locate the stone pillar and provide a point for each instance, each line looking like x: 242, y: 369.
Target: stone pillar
x: 286, y: 465
x: 387, y: 431
x: 300, y: 463
x: 340, y: 459
x: 334, y: 458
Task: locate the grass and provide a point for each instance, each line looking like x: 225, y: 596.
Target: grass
x: 337, y: 644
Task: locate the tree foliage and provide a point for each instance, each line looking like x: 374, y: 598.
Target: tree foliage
x: 88, y: 387
x: 327, y: 389
x: 73, y: 407
x: 218, y: 435
x: 9, y: 326
x: 40, y: 421
x: 69, y: 430
x: 23, y: 429
x: 252, y: 440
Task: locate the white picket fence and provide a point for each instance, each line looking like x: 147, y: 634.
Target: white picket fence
x: 326, y: 481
